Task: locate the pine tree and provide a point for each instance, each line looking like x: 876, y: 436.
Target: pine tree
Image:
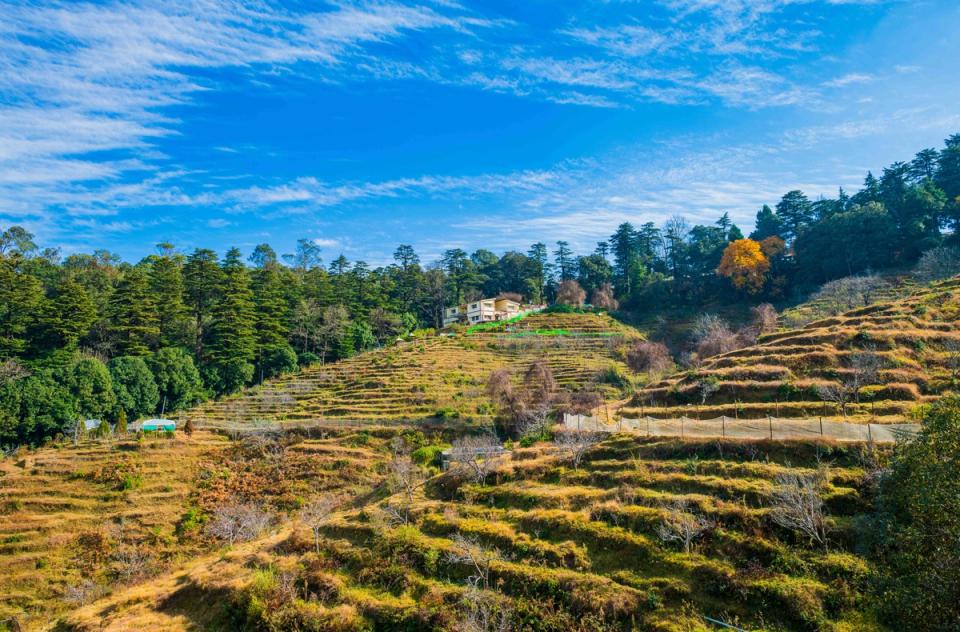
x: 233, y: 341
x: 794, y: 211
x: 768, y: 224
x: 134, y: 324
x: 20, y: 297
x: 202, y: 281
x: 565, y: 262
x: 122, y: 422
x: 69, y: 314
x: 166, y: 283
x: 272, y: 314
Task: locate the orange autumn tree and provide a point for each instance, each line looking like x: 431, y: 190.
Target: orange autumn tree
x: 746, y: 266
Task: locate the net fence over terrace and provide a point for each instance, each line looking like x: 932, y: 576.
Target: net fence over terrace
x: 771, y: 428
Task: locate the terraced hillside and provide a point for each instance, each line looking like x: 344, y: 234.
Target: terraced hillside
x: 913, y: 346
x: 441, y: 376
x: 552, y: 548
x: 79, y: 522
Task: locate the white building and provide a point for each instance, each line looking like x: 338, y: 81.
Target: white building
x: 481, y: 311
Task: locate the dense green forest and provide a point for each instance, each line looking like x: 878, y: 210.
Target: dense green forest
x: 89, y: 335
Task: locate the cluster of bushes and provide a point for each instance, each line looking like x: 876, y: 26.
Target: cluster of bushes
x: 39, y: 403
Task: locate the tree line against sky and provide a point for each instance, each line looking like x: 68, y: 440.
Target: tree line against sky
x: 89, y: 335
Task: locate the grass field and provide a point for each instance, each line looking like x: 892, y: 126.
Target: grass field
x: 916, y: 339
x: 437, y: 377
x: 80, y: 522
x: 564, y: 549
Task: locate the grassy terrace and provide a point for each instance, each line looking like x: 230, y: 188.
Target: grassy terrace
x: 917, y: 338
x: 71, y: 515
x: 442, y: 376
x: 578, y: 550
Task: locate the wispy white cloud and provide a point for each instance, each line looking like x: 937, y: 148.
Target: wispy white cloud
x: 849, y: 79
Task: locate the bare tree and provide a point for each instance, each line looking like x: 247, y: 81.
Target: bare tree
x: 848, y: 293
x: 238, y: 522
x: 315, y: 514
x: 649, y: 357
x: 707, y: 386
x: 713, y: 336
x: 570, y: 293
x: 528, y: 405
x: 764, y: 319
x: 477, y: 455
x: 405, y: 477
x: 938, y: 263
x: 483, y: 614
x: 797, y: 504
x: 577, y: 443
x: 132, y: 562
x: 682, y: 524
x: 603, y: 298
x: 864, y: 369
x: 467, y: 550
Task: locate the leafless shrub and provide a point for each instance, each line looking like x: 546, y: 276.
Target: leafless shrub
x: 649, y: 357
x: 864, y: 369
x: 483, y: 614
x: 528, y: 405
x: 467, y: 550
x: 238, y: 522
x: 713, y: 336
x: 132, y: 563
x: 476, y: 455
x: 315, y: 514
x: 938, y: 263
x: 570, y: 293
x: 82, y: 593
x: 764, y: 319
x: 848, y: 293
x: 576, y: 444
x: 603, y: 298
x: 682, y: 524
x: 797, y: 504
x: 266, y: 445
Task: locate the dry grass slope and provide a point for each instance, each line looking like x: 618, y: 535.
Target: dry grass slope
x: 578, y: 550
x: 917, y: 339
x: 442, y: 376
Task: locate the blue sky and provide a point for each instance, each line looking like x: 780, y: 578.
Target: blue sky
x: 446, y: 124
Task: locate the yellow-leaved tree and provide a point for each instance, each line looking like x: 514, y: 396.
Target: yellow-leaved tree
x: 746, y: 266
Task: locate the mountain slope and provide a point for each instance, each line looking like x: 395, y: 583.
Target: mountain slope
x: 440, y: 376
x: 915, y: 342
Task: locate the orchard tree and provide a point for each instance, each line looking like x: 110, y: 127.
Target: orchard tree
x: 746, y: 266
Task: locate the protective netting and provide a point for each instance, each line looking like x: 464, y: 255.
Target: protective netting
x: 773, y: 428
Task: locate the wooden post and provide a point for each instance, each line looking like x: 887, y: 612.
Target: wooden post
x: 821, y: 426
x: 869, y: 433
x: 648, y: 426
x: 723, y: 426
x: 770, y: 421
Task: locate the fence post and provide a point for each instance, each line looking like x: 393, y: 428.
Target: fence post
x: 648, y: 426
x: 869, y: 433
x: 723, y: 426
x: 770, y: 421
x: 821, y: 426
